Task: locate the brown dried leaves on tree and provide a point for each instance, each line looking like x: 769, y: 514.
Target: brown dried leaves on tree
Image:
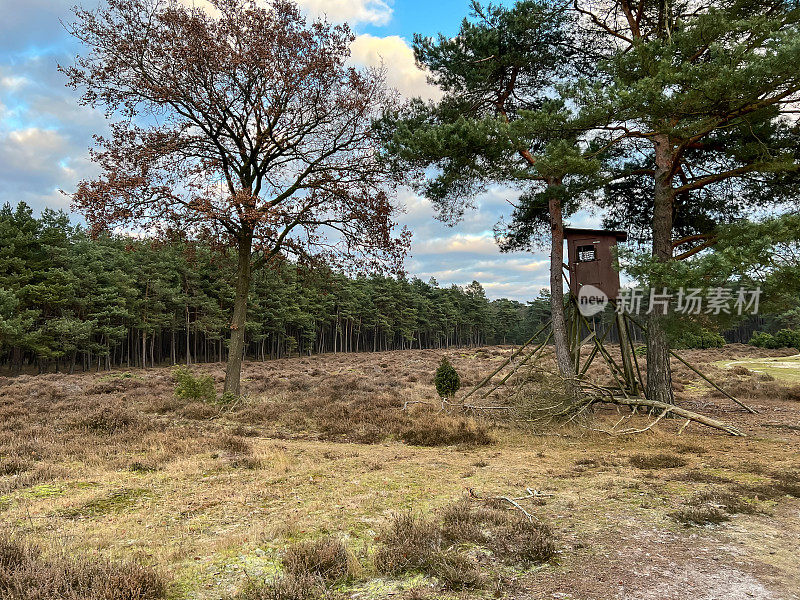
x: 242, y: 123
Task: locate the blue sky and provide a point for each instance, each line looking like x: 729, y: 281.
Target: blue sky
x: 45, y: 133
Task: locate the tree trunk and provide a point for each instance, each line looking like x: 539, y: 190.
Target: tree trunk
x: 563, y: 358
x: 659, y: 374
x: 233, y: 370
x: 188, y: 339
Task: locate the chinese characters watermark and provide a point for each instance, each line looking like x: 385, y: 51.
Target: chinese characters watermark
x: 689, y: 301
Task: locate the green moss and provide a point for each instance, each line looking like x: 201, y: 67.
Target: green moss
x: 123, y: 375
x: 83, y: 485
x: 45, y: 490
x: 113, y: 503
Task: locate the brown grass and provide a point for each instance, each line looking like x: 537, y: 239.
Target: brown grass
x: 310, y: 568
x: 657, y: 461
x: 783, y: 483
x: 25, y: 574
x: 700, y: 515
x: 326, y: 558
x: 113, y: 466
x: 283, y: 587
x: 414, y: 543
x: 714, y: 506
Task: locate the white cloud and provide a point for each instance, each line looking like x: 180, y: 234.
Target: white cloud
x: 12, y: 83
x: 31, y: 151
x: 354, y: 12
x: 458, y: 243
x: 397, y: 56
x: 374, y: 12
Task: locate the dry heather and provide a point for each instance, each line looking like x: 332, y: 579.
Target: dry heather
x: 293, y: 491
x: 27, y: 575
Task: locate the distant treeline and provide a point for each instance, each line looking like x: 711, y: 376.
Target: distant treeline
x: 68, y: 301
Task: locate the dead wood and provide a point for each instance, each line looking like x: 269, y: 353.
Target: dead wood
x: 667, y: 409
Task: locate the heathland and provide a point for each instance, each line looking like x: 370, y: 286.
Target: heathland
x: 318, y: 482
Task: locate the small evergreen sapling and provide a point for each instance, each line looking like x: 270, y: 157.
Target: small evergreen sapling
x: 446, y: 380
x: 189, y: 386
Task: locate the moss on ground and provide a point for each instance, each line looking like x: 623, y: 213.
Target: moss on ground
x: 115, y: 502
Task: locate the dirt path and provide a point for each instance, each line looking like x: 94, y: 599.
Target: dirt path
x: 752, y: 557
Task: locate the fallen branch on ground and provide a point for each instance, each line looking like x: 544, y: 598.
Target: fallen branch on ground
x: 598, y: 393
x: 630, y: 430
x: 670, y: 408
x: 515, y: 502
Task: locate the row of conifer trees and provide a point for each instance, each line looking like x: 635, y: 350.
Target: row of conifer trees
x: 70, y: 302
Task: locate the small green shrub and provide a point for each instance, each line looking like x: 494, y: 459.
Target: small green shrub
x: 785, y: 338
x: 446, y: 379
x: 189, y: 386
x: 761, y: 339
x: 701, y: 338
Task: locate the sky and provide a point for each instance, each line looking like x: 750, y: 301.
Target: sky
x: 45, y: 133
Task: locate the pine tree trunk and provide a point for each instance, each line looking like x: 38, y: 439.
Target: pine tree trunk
x: 563, y: 357
x: 233, y: 370
x: 659, y: 374
x: 188, y: 339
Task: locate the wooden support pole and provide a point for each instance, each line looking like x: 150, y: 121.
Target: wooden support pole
x: 488, y: 378
x: 739, y: 402
x: 625, y: 351
x: 521, y: 363
x: 706, y: 379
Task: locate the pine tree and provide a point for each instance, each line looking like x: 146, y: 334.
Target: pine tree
x: 705, y: 89
x: 501, y: 120
x: 446, y: 380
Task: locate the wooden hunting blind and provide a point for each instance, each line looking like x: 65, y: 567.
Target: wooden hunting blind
x: 591, y: 260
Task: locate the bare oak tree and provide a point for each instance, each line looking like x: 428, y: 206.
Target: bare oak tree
x: 242, y: 123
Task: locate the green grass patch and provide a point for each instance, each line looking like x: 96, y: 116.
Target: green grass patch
x: 782, y: 368
x: 45, y: 490
x: 115, y: 502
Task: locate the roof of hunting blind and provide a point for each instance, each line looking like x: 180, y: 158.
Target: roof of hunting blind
x: 621, y: 236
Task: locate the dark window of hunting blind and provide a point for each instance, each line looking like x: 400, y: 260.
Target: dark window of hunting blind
x: 587, y: 253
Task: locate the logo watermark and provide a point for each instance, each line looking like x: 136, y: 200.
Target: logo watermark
x: 591, y: 300
x: 688, y: 301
